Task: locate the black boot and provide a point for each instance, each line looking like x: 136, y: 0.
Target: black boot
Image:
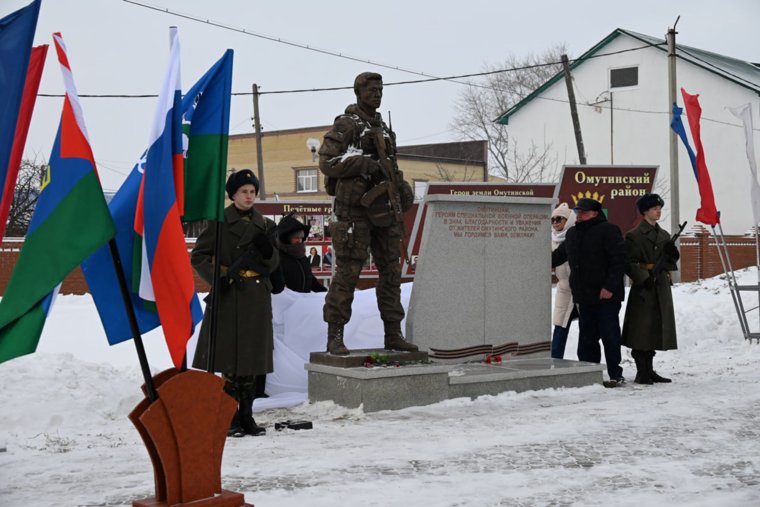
x: 261, y: 384
x: 335, y: 340
x: 653, y: 374
x: 246, y: 418
x: 394, y: 339
x: 642, y: 372
x: 235, y: 429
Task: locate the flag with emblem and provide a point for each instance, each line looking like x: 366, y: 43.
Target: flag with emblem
x: 205, y: 127
x: 70, y: 221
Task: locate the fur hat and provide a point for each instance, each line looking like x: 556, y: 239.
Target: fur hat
x: 647, y: 201
x: 587, y: 204
x: 240, y: 178
x: 563, y: 210
x: 290, y: 225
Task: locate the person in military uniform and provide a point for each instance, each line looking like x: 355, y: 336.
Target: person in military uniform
x: 244, y: 338
x: 649, y: 323
x: 355, y: 157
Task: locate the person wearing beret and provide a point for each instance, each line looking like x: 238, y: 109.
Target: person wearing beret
x: 596, y: 252
x: 244, y: 338
x: 649, y: 323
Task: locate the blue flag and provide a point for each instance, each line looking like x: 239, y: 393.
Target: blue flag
x: 16, y: 38
x: 677, y: 125
x: 203, y: 112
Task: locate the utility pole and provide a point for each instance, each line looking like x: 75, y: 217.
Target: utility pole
x: 574, y: 110
x: 257, y: 129
x: 674, y: 198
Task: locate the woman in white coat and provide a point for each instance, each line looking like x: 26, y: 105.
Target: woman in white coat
x: 563, y: 219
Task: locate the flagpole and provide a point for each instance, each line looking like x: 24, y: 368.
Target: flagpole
x: 149, y: 387
x: 213, y: 314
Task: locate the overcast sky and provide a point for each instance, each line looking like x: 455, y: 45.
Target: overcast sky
x: 116, y: 47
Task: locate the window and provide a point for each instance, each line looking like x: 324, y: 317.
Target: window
x: 420, y: 187
x: 306, y: 180
x: 627, y: 76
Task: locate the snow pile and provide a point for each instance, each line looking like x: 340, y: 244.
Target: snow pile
x: 695, y: 442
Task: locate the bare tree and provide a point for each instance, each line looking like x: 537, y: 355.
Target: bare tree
x: 534, y: 165
x: 445, y: 174
x: 27, y: 191
x: 481, y: 103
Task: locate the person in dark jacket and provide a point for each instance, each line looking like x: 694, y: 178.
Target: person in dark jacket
x: 315, y: 260
x: 596, y: 253
x: 650, y: 322
x: 295, y: 268
x: 244, y: 338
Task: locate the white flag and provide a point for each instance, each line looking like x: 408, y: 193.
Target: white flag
x: 744, y: 113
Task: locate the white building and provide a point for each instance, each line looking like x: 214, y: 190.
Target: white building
x: 621, y: 90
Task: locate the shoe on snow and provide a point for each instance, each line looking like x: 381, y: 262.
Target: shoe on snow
x: 614, y: 382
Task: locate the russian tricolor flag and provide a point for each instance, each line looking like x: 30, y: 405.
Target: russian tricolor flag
x: 167, y: 276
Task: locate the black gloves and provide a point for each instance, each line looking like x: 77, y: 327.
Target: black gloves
x: 649, y: 282
x: 671, y: 251
x: 263, y: 245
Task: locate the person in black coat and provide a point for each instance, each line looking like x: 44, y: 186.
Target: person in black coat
x: 314, y: 258
x: 295, y: 268
x: 597, y: 255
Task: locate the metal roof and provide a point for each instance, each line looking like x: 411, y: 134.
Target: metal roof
x: 745, y: 74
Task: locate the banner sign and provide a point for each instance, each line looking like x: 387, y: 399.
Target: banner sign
x: 616, y: 187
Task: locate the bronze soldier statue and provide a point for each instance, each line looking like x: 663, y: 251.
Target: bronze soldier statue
x: 358, y: 158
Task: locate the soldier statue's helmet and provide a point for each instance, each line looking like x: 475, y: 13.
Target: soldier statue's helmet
x: 364, y: 78
x: 648, y: 201
x: 240, y: 178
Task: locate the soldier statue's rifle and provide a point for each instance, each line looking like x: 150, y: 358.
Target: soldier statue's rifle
x: 389, y: 186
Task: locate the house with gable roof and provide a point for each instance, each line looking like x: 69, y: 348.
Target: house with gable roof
x: 621, y: 91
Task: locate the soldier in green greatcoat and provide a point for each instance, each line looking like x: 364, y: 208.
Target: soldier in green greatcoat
x: 244, y: 338
x: 650, y: 323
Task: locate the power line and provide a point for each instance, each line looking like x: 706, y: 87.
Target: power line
x: 395, y: 83
x: 278, y: 40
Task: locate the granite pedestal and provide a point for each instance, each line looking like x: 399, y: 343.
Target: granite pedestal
x: 415, y: 384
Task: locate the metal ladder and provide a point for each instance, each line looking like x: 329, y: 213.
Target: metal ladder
x: 736, y: 289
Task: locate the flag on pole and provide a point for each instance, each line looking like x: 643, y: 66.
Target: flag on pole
x: 166, y: 274
x: 33, y: 76
x: 70, y: 222
x: 16, y: 37
x: 707, y: 212
x: 744, y: 113
x: 206, y: 125
x: 205, y: 117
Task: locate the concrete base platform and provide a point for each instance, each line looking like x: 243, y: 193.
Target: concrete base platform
x: 396, y: 387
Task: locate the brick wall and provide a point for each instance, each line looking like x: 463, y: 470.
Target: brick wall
x: 699, y: 259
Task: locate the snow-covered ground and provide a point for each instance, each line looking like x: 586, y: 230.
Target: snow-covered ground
x: 694, y: 442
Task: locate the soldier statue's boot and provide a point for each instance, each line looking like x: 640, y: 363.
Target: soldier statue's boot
x: 642, y: 372
x: 335, y: 340
x: 653, y: 374
x: 246, y: 418
x: 394, y: 339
